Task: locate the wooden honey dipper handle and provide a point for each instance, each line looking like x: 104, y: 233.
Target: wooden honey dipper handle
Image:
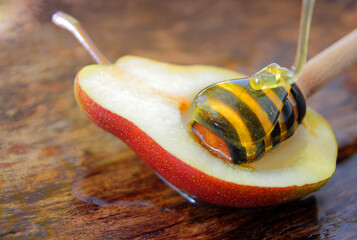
x: 328, y: 64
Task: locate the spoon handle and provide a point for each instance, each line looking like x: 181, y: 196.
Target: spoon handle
x: 328, y: 64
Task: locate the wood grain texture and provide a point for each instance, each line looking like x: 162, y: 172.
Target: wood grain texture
x: 61, y: 177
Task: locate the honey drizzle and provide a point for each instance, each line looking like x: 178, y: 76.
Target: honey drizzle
x: 274, y: 75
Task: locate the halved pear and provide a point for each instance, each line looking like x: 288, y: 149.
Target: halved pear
x: 139, y: 100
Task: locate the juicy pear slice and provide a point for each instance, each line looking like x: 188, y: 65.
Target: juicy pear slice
x: 139, y: 100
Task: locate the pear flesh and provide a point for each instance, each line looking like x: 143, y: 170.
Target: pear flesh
x: 148, y: 94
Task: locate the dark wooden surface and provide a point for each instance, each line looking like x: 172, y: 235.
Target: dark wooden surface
x: 63, y: 178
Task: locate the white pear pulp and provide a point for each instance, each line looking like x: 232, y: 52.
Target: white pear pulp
x: 148, y: 94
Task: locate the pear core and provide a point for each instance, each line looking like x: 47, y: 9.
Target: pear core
x: 148, y: 94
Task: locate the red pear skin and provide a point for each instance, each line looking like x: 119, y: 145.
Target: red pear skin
x: 180, y: 174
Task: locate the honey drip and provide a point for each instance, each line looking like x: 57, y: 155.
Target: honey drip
x: 274, y: 75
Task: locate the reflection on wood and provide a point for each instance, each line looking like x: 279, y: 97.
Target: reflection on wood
x: 61, y: 177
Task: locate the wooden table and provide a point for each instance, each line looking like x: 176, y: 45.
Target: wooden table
x: 61, y: 177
